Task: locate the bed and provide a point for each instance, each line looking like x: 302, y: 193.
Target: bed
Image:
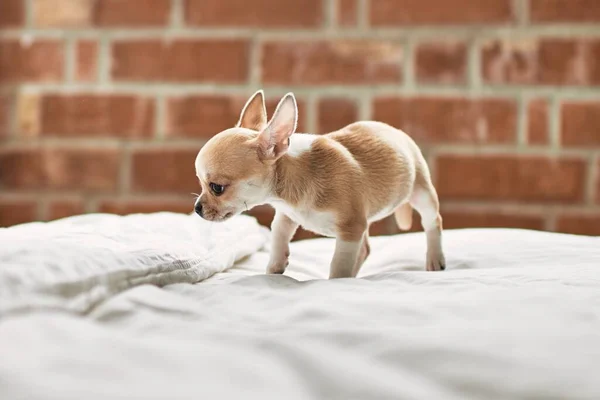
x: 168, y: 306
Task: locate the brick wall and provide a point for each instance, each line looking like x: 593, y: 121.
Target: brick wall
x: 104, y: 103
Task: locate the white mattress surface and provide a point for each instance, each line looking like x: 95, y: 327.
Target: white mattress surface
x: 166, y: 306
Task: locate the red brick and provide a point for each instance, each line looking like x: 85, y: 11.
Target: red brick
x: 257, y: 13
x: 537, y: 122
x: 207, y: 115
x: 14, y: 212
x: 97, y: 115
x: 201, y: 116
x: 60, y: 168
x: 450, y: 120
x: 580, y: 124
x: 13, y: 13
x: 441, y: 62
x: 62, y: 13
x: 185, y: 60
x: 125, y: 207
x: 123, y: 13
x: 87, y: 61
x: 347, y: 13
x: 65, y: 208
x: 436, y: 12
x: 564, y: 11
x: 579, y: 224
x: 598, y: 182
x: 4, y: 116
x: 350, y: 62
x: 491, y: 219
x: 544, y: 61
x: 40, y: 61
x: 103, y: 13
x: 515, y: 178
x: 334, y: 114
x: 165, y: 170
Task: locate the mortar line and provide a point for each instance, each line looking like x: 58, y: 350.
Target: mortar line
x: 104, y: 60
x: 176, y: 16
x: 330, y: 21
x: 474, y: 66
x: 551, y: 220
x: 432, y: 32
x: 365, y: 107
x: 70, y: 58
x: 29, y: 13
x: 75, y: 195
x: 255, y: 60
x: 160, y: 117
x: 521, y: 11
x: 592, y: 181
x: 125, y: 169
x: 496, y: 206
x: 576, y: 93
x: 408, y: 66
x: 509, y: 150
x: 43, y: 208
x: 554, y: 123
x: 311, y: 113
x: 143, y: 197
x: 101, y: 143
x: 518, y: 207
x: 362, y: 18
x: 91, y: 203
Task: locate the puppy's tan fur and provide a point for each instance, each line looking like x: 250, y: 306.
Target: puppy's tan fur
x: 334, y: 184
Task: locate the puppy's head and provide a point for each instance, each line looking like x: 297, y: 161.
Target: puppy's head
x: 235, y: 167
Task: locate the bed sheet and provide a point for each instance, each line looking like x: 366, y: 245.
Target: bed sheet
x: 515, y: 316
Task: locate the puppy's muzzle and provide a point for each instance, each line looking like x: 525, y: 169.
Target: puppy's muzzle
x: 198, y: 209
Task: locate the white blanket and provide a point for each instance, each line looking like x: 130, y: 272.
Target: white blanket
x: 516, y: 315
x: 75, y: 263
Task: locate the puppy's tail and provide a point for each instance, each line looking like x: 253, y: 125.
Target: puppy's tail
x: 403, y: 215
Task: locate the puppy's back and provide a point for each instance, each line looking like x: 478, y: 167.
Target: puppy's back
x: 387, y: 158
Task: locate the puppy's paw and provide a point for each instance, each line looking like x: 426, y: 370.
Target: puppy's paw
x: 277, y: 267
x: 435, y: 261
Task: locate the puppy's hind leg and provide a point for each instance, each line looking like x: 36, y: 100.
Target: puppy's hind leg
x: 424, y: 199
x: 348, y: 245
x: 365, y: 250
x: 403, y: 216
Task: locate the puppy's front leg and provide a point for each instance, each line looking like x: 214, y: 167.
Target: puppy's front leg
x: 347, y: 247
x: 282, y: 231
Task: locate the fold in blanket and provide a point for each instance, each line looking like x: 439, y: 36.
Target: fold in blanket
x: 75, y: 263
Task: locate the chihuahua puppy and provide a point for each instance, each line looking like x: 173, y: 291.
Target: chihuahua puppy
x: 335, y: 185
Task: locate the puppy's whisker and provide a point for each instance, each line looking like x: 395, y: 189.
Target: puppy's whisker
x: 246, y: 206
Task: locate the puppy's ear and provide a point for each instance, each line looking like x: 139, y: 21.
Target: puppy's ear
x: 273, y: 140
x: 254, y: 113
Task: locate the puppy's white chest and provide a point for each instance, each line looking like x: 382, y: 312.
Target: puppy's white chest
x: 320, y: 222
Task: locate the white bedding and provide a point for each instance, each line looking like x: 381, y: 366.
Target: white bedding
x: 516, y: 315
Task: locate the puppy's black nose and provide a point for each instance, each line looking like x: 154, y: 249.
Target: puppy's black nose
x: 198, y: 209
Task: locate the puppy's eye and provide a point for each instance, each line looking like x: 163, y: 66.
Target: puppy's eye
x: 217, y: 189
